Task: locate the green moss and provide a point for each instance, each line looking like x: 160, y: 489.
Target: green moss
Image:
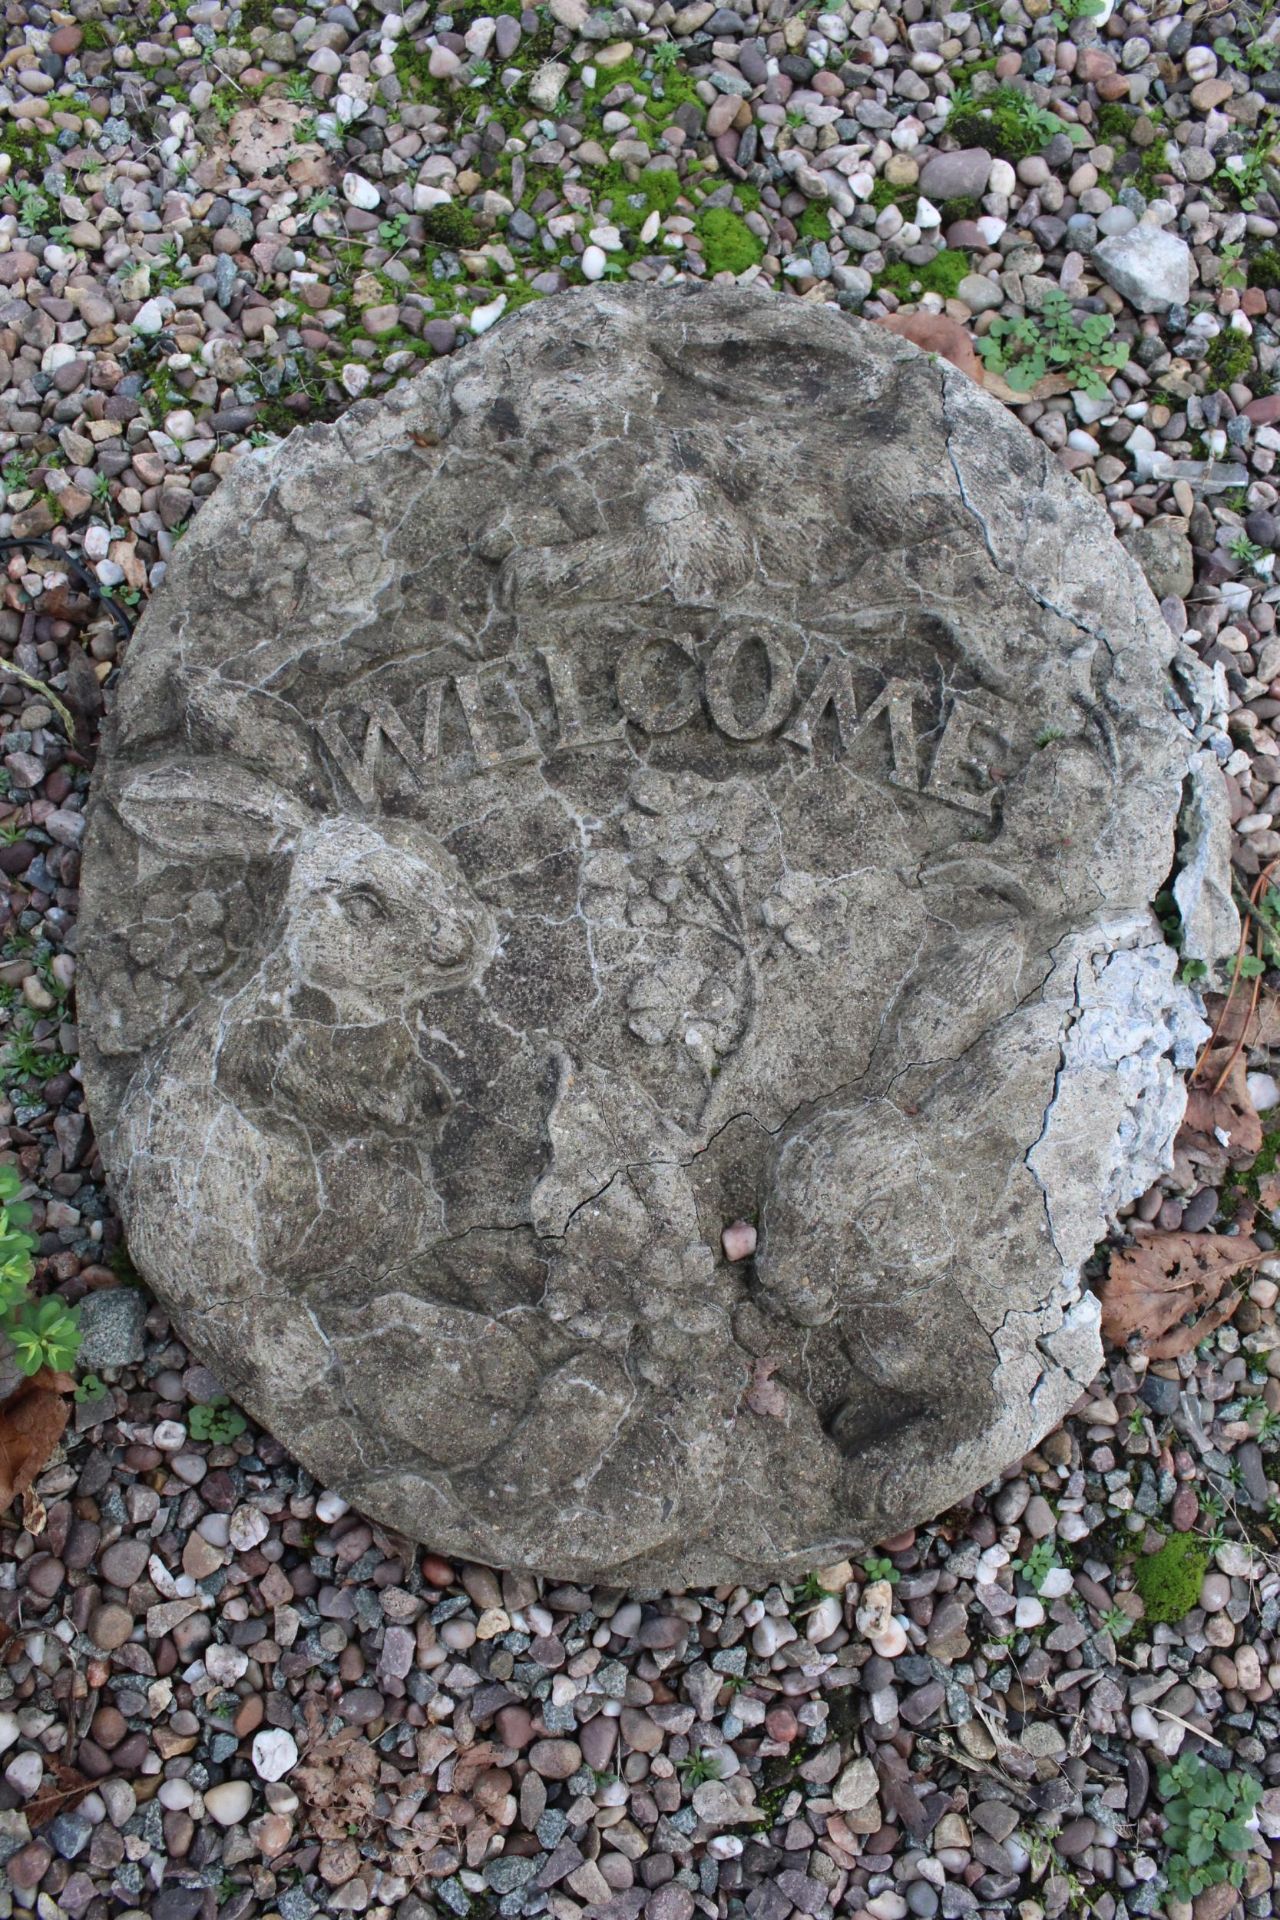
x: 942, y: 275
x: 658, y: 187
x: 1264, y: 268
x: 1115, y: 124
x: 964, y: 207
x: 413, y: 71
x: 748, y: 197
x: 728, y: 244
x: 255, y: 13
x: 814, y: 223
x: 679, y: 89
x: 1005, y: 122
x: 450, y: 226
x: 885, y: 194
x: 94, y: 36
x: 607, y: 78
x: 962, y: 75
x: 1229, y: 358
x: 17, y: 142
x: 1169, y: 1581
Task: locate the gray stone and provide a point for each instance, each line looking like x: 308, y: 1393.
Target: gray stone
x: 1148, y: 266
x: 979, y: 294
x: 1165, y: 556
x: 1202, y: 887
x: 112, y: 1328
x: 690, y: 757
x: 962, y: 175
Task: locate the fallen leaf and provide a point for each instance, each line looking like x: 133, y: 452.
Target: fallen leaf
x: 1258, y: 1025
x: 1046, y: 388
x: 473, y: 1761
x: 937, y: 333
x: 1213, y: 1110
x: 67, y: 1791
x: 1153, y: 1285
x: 764, y: 1395
x: 31, y: 1425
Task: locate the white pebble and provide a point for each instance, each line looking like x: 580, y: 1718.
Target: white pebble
x: 169, y: 1436
x: 150, y: 317
x: 770, y: 1634
x: 594, y: 263
x: 1028, y: 1613
x: 1263, y: 1090
x: 224, y: 1664
x: 875, y: 1608
x: 275, y: 1751
x: 229, y: 1802
x: 824, y: 1619
x: 8, y: 1729
x: 25, y: 1772
x: 177, y: 1795
x: 891, y: 1642
x: 482, y: 318
x: 357, y: 192
x: 249, y: 1528
x: 1056, y: 1584
x: 332, y: 1506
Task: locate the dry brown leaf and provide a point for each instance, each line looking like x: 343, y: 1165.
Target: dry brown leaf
x: 473, y: 1761
x: 67, y: 1791
x: 937, y: 333
x: 1152, y: 1286
x: 31, y: 1424
x: 1226, y: 1109
x: 1259, y: 1025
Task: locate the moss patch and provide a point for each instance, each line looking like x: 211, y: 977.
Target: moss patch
x: 1115, y: 123
x: 1229, y: 358
x: 942, y: 275
x: 658, y: 187
x: 815, y: 223
x: 450, y: 226
x: 1264, y: 268
x: 728, y: 244
x: 1006, y: 123
x: 1169, y: 1581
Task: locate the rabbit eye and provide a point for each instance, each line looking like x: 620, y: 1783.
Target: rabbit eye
x: 363, y: 907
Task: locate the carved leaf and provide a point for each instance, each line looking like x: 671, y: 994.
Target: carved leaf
x: 1153, y: 1285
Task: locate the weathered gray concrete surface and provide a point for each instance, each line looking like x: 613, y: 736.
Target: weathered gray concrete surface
x: 692, y: 757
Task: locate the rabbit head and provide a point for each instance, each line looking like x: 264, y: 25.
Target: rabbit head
x: 376, y: 913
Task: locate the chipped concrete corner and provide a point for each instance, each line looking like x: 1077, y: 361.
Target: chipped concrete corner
x: 688, y: 759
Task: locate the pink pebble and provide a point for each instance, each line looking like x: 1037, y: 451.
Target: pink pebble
x: 739, y: 1240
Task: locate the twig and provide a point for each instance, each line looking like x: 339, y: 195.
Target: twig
x: 38, y: 686
x: 1188, y: 1726
x: 1255, y: 894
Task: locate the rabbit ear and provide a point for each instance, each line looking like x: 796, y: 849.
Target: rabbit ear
x: 199, y: 812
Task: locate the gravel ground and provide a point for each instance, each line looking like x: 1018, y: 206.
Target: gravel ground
x: 222, y: 1693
